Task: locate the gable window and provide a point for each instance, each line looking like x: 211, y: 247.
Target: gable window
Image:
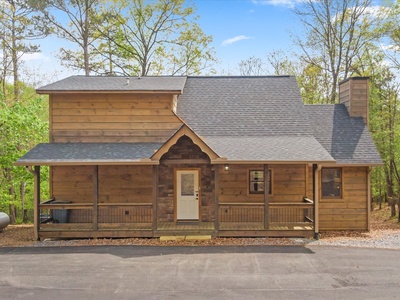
x: 331, y: 182
x: 256, y: 182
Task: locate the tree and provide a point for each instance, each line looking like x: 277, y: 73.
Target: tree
x: 253, y: 66
x: 311, y: 79
x: 337, y: 32
x: 22, y: 126
x: 156, y: 37
x: 391, y: 34
x: 384, y: 123
x: 19, y: 24
x: 80, y: 30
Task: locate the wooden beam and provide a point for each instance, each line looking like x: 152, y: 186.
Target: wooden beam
x: 95, y: 196
x: 316, y: 176
x: 266, y: 198
x: 36, y: 200
x: 369, y: 169
x: 216, y: 198
x: 155, y: 197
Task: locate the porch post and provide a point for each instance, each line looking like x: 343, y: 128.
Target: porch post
x: 266, y: 199
x: 155, y: 197
x: 316, y: 170
x: 36, y: 202
x: 369, y: 192
x: 216, y: 184
x: 95, y: 197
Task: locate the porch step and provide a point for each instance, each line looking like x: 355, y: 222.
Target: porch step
x: 198, y: 237
x: 187, y: 237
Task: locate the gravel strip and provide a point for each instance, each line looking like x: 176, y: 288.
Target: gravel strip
x: 386, y: 239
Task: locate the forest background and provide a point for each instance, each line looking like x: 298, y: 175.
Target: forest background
x: 340, y: 39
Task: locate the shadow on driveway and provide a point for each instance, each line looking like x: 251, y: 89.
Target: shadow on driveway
x: 131, y: 251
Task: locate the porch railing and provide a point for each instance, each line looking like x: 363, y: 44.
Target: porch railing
x: 278, y: 213
x: 292, y: 212
x: 65, y: 215
x: 241, y: 212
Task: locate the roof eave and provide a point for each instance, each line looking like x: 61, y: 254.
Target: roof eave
x: 250, y: 162
x: 48, y: 92
x: 73, y: 162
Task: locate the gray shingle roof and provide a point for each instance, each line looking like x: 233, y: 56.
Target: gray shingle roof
x: 270, y: 148
x: 113, y: 83
x: 251, y: 118
x: 346, y: 139
x: 240, y: 118
x: 243, y: 106
x: 88, y: 153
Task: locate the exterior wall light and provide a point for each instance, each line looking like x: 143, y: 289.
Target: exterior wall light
x: 226, y: 168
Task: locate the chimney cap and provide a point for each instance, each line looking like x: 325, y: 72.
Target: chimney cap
x: 355, y: 78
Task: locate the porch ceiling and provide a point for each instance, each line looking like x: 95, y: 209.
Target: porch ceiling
x: 89, y: 154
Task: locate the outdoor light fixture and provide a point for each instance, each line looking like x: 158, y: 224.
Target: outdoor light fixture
x: 226, y: 168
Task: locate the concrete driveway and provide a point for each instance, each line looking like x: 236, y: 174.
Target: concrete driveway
x: 228, y: 272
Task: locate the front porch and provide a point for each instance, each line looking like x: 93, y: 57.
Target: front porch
x: 123, y: 221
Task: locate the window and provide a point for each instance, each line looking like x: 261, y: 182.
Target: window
x: 331, y: 182
x: 256, y: 182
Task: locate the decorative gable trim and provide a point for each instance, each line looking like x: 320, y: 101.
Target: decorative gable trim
x: 184, y: 130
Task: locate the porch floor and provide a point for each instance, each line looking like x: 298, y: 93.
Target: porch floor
x: 260, y: 226
x: 168, y: 226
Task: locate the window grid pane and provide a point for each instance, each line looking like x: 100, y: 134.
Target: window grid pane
x: 256, y: 182
x: 332, y: 182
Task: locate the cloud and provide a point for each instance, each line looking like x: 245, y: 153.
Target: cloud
x: 235, y: 39
x: 285, y: 3
x: 394, y: 48
x: 37, y: 56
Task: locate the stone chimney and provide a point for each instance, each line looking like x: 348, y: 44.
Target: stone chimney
x: 353, y: 92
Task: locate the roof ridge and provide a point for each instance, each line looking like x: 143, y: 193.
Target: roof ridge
x: 242, y: 76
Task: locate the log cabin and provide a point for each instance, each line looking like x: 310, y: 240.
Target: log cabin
x: 219, y: 156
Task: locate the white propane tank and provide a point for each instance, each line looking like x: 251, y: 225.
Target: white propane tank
x: 4, y: 220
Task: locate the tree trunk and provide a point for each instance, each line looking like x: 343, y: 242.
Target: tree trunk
x: 14, y: 57
x: 398, y: 206
x: 23, y: 210
x: 12, y: 212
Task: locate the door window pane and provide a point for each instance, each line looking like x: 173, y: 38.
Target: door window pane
x: 187, y: 184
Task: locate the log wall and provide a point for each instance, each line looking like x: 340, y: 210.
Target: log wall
x: 111, y: 118
x: 73, y: 183
x: 350, y: 212
x: 288, y: 184
x: 126, y: 184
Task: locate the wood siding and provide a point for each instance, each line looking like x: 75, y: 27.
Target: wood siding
x: 354, y: 94
x: 126, y: 184
x: 350, y: 212
x: 288, y: 184
x: 73, y: 183
x: 117, y: 184
x: 112, y: 118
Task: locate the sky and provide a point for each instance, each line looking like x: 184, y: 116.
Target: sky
x: 240, y: 29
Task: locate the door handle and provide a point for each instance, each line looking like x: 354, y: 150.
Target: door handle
x: 197, y: 195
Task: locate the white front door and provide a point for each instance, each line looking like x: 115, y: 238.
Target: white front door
x: 187, y: 193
